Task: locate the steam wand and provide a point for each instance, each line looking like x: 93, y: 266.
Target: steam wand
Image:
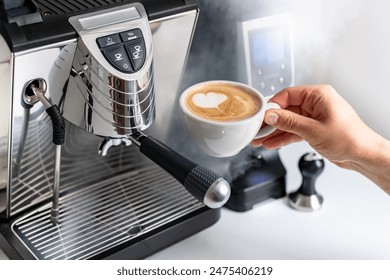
x: 58, y: 139
x: 204, y: 184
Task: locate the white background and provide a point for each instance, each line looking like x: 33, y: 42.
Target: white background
x: 346, y: 43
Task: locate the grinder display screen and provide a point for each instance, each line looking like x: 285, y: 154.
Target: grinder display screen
x: 267, y: 46
x: 268, y: 53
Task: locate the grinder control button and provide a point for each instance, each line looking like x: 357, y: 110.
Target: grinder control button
x: 130, y: 35
x: 137, y: 53
x: 108, y: 41
x: 118, y: 59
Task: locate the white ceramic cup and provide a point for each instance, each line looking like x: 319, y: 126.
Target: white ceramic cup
x: 225, y: 138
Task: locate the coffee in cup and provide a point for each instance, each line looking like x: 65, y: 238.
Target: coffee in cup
x: 223, y: 117
x: 222, y: 102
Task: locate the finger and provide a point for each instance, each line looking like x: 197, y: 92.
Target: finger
x: 301, y: 96
x: 259, y: 141
x: 281, y: 140
x: 291, y: 96
x: 291, y: 122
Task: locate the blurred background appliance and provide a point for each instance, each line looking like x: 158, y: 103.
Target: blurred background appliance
x: 106, y: 65
x: 248, y: 41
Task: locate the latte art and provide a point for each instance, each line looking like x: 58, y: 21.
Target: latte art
x: 208, y: 100
x: 222, y: 102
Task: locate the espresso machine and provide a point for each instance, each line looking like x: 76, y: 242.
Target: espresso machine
x: 87, y: 89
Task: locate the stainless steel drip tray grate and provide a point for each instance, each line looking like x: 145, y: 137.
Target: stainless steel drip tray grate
x: 104, y: 215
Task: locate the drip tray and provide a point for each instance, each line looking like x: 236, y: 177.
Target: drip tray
x: 112, y: 215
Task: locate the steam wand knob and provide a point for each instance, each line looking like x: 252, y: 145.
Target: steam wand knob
x: 306, y: 197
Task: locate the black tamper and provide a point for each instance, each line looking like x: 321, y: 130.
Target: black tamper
x: 306, y: 198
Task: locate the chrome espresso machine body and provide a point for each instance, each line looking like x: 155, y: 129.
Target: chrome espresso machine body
x: 112, y: 70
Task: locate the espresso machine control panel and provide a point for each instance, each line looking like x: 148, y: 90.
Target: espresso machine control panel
x: 110, y: 91
x: 125, y: 51
x: 122, y: 37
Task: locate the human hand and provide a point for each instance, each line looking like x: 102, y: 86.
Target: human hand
x: 319, y: 115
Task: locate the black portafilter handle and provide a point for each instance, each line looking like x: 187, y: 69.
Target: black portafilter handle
x: 306, y: 197
x: 204, y: 184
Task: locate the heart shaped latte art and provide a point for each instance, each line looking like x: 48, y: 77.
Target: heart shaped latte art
x: 209, y: 100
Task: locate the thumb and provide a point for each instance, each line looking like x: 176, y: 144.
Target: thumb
x: 291, y: 122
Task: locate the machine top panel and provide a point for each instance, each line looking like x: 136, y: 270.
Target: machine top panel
x: 34, y: 23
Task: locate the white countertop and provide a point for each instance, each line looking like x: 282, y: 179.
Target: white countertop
x: 354, y: 223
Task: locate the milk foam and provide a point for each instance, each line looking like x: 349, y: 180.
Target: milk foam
x: 209, y: 99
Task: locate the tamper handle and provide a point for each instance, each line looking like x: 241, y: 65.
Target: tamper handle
x: 204, y: 184
x: 306, y: 198
x: 311, y: 166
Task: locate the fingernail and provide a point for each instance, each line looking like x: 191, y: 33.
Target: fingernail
x: 271, y: 118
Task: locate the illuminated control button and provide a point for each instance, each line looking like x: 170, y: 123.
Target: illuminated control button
x: 137, y: 53
x: 281, y: 80
x: 259, y: 72
x: 108, y: 41
x: 131, y: 35
x: 272, y: 88
x: 118, y: 59
x: 262, y: 85
x: 282, y: 66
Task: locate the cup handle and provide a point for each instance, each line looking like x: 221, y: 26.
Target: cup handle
x: 268, y: 129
